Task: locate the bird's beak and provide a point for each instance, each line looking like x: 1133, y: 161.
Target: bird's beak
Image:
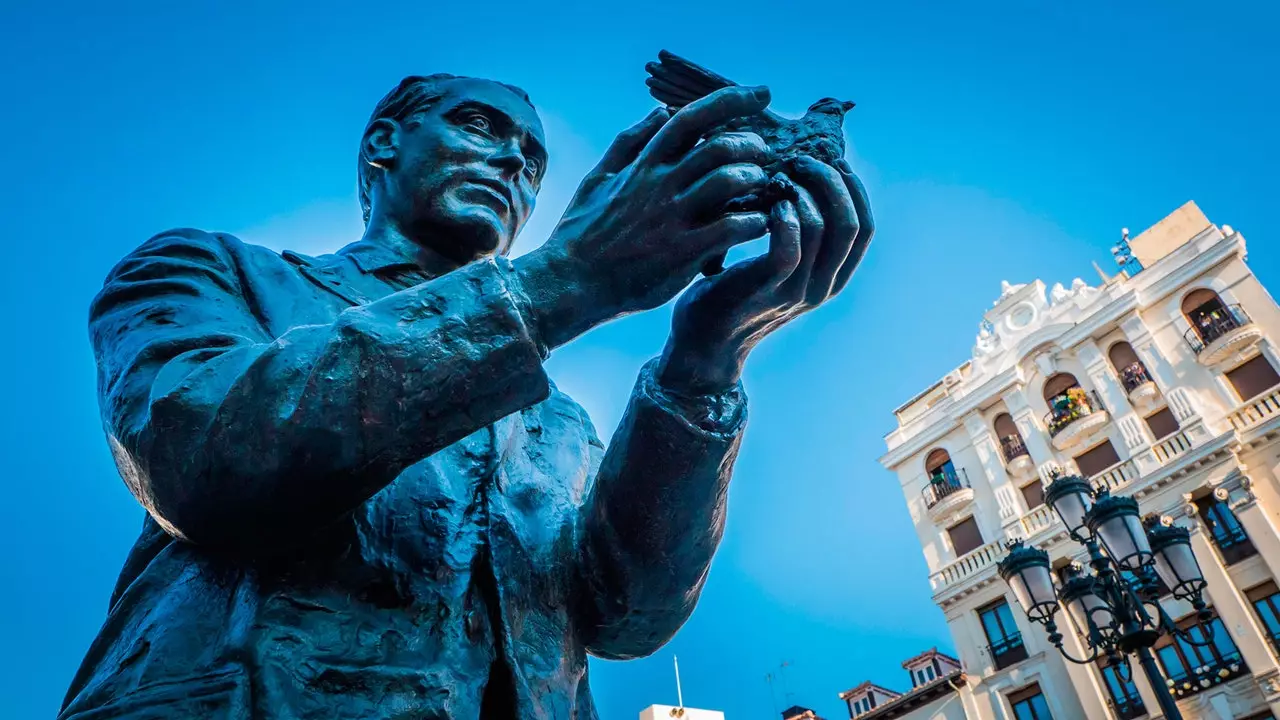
x: 846, y: 105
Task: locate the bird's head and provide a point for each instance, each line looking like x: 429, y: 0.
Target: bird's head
x: 831, y: 106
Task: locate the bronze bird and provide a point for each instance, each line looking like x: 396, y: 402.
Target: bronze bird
x: 676, y: 82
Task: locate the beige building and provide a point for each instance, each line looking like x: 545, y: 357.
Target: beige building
x: 1161, y: 384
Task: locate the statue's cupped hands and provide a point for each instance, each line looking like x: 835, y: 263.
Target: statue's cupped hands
x: 653, y: 211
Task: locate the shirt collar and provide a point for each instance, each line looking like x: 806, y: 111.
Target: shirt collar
x: 372, y: 257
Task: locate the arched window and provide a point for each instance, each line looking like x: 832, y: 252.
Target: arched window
x: 938, y: 466
x: 1209, y: 317
x: 1058, y: 385
x: 1011, y: 443
x: 1199, y: 303
x: 1068, y: 402
x: 1127, y: 365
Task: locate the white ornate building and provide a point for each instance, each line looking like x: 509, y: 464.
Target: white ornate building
x: 1163, y: 385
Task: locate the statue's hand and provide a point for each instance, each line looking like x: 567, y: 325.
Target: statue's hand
x: 645, y: 220
x: 815, y: 244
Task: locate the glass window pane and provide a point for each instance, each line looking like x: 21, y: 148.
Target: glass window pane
x: 991, y: 624
x: 1041, y: 708
x: 1023, y: 711
x: 1222, y: 641
x: 1174, y: 668
x: 1267, y: 613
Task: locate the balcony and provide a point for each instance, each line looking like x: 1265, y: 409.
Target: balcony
x: 1008, y: 651
x: 946, y: 493
x: 1130, y: 707
x: 1221, y: 333
x: 1219, y: 670
x: 968, y: 566
x: 1016, y: 457
x: 1138, y: 384
x: 1074, y: 417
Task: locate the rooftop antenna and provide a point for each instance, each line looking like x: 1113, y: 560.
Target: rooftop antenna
x: 786, y: 693
x: 773, y: 697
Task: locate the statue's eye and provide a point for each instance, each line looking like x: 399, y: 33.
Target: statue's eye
x: 532, y: 167
x: 478, y: 122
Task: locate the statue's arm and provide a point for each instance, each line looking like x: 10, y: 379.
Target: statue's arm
x: 231, y: 437
x: 654, y: 516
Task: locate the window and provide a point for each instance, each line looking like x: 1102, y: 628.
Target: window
x: 929, y: 672
x: 1162, y: 423
x: 1029, y: 704
x: 1124, y: 694
x: 1132, y: 372
x: 1253, y: 378
x: 1225, y: 529
x: 965, y: 536
x: 1011, y: 444
x: 1033, y: 493
x: 1192, y: 667
x: 1266, y: 602
x: 1098, y: 459
x: 1006, y: 646
x: 938, y: 466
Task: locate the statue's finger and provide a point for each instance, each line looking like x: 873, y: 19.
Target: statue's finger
x: 796, y: 286
x: 630, y: 142
x: 784, y: 240
x: 708, y: 196
x: 866, y: 227
x: 723, y: 149
x: 697, y: 119
x: 840, y: 219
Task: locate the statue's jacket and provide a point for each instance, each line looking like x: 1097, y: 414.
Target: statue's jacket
x: 365, y: 498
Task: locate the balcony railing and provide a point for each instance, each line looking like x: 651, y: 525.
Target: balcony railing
x: 1256, y: 410
x: 1214, y: 324
x: 944, y: 483
x: 1134, y: 376
x: 1129, y: 708
x: 1008, y: 651
x: 1013, y: 447
x: 1196, y: 680
x: 968, y: 565
x: 1069, y: 407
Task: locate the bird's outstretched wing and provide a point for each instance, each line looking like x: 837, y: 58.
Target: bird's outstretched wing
x: 676, y: 82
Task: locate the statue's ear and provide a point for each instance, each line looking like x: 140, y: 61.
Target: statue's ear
x: 381, y: 143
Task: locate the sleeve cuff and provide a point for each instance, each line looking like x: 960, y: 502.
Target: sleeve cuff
x: 721, y: 414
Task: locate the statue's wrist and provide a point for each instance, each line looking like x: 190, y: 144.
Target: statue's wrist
x: 704, y: 370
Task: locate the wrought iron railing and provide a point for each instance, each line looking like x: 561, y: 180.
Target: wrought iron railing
x: 1191, y: 681
x: 1013, y: 447
x: 1134, y: 376
x: 944, y: 482
x: 1209, y: 326
x: 1129, y: 707
x: 1069, y: 407
x: 1008, y: 650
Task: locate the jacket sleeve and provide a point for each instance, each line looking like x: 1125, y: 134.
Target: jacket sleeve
x: 654, y: 516
x: 231, y: 437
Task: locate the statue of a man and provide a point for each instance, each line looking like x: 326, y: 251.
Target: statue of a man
x: 364, y: 497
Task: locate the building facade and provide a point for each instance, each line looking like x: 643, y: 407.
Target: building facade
x: 1161, y: 384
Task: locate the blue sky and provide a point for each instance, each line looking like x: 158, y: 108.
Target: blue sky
x: 1007, y: 141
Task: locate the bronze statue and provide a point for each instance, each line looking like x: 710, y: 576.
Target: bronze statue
x: 364, y: 497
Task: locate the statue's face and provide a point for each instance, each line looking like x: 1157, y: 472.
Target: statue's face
x: 467, y: 170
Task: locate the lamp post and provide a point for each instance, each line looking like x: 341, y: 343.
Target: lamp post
x: 1116, y: 617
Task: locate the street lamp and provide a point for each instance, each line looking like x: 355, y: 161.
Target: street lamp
x: 1112, y: 614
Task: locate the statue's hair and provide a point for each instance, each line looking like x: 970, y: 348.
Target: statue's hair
x: 414, y: 94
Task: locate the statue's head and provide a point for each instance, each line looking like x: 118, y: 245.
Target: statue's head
x: 454, y: 163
